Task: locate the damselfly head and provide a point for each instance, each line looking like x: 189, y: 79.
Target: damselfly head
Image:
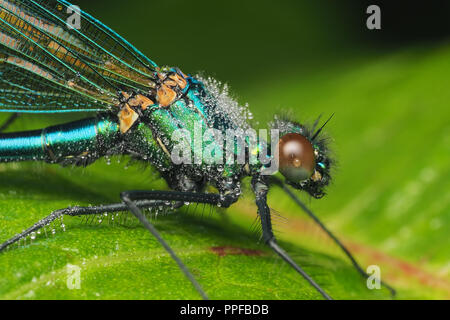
x: 303, y: 156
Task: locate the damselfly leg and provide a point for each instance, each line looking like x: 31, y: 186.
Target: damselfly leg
x: 216, y: 199
x: 128, y: 204
x: 134, y: 201
x: 78, y: 211
x: 128, y: 198
x: 327, y: 231
x: 9, y: 121
x: 261, y: 191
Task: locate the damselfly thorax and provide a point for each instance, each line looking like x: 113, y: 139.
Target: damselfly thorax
x: 169, y: 87
x: 148, y: 123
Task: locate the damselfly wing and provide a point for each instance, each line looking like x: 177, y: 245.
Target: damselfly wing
x: 47, y: 67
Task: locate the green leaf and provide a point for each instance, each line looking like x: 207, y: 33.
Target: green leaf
x: 388, y: 203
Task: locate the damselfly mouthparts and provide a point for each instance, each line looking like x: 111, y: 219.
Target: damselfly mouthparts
x: 50, y: 66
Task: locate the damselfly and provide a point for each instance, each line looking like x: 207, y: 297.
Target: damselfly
x: 50, y: 66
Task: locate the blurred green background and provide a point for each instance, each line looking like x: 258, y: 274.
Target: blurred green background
x: 390, y: 196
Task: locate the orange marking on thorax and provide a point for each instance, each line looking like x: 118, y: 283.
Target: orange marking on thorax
x: 140, y: 101
x: 127, y: 117
x: 179, y: 80
x: 165, y: 95
x: 160, y: 76
x: 170, y: 83
x: 126, y: 95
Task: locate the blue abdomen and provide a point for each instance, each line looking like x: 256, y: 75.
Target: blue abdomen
x: 84, y: 138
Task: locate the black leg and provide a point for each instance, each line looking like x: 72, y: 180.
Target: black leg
x: 8, y: 121
x: 144, y: 199
x: 77, y: 211
x: 133, y: 200
x: 178, y: 196
x: 329, y: 233
x: 128, y: 197
x: 261, y: 190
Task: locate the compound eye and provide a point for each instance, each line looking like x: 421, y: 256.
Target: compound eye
x: 296, y: 157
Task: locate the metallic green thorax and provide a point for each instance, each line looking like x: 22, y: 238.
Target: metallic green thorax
x: 46, y: 67
x: 150, y: 138
x: 195, y: 113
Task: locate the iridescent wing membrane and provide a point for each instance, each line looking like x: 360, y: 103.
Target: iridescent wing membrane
x: 48, y: 64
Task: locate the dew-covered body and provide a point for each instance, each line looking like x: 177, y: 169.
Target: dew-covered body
x: 148, y: 138
x: 48, y: 65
